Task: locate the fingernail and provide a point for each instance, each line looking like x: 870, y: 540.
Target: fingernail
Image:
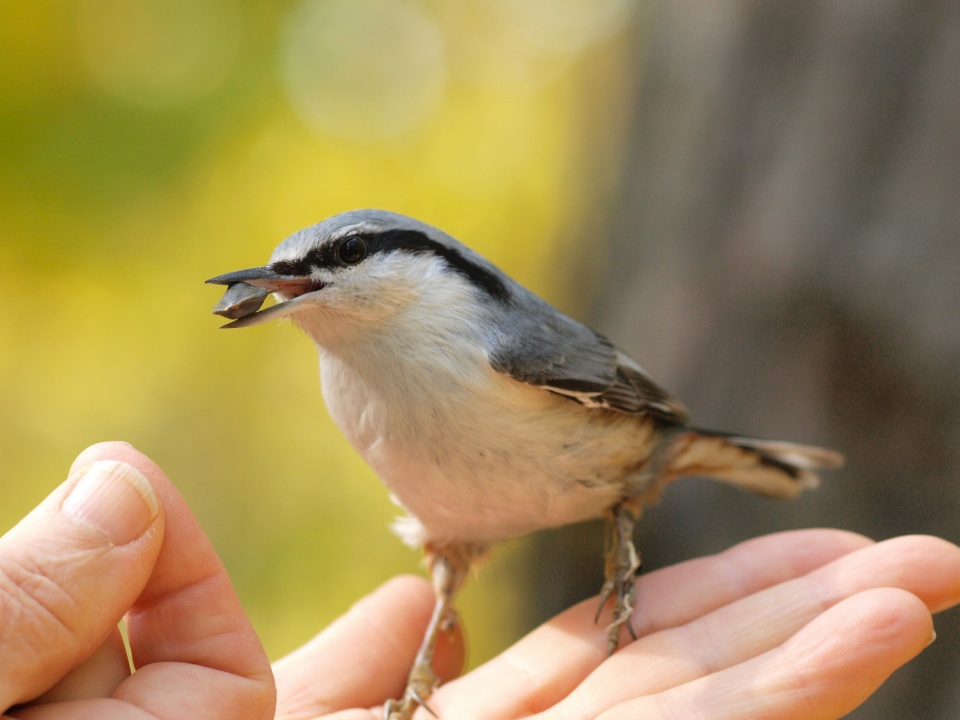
x: 933, y: 637
x: 116, y: 498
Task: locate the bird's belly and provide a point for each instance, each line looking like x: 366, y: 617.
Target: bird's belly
x: 496, y: 468
x: 484, y: 499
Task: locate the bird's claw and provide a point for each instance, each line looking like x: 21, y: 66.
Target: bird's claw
x: 447, y: 575
x: 420, y: 686
x: 622, y: 566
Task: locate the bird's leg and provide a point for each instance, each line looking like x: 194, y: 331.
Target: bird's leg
x: 448, y: 570
x: 622, y: 563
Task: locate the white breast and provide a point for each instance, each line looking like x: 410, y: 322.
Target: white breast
x: 470, y: 453
x: 481, y: 466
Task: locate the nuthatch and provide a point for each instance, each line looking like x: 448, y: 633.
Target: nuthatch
x: 487, y: 412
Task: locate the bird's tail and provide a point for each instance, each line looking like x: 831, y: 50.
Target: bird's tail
x: 766, y: 467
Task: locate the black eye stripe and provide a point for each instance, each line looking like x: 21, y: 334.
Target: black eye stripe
x: 318, y: 257
x: 412, y: 241
x: 416, y: 242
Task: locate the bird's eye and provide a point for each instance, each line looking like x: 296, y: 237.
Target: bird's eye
x: 352, y: 250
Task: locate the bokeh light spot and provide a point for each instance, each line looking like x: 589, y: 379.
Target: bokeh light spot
x: 362, y: 69
x: 564, y: 25
x: 158, y: 53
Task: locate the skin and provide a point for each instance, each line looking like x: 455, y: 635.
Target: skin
x: 805, y: 624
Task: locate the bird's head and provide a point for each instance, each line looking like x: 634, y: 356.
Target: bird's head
x: 355, y: 270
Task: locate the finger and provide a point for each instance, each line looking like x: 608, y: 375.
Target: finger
x: 550, y: 662
x: 926, y: 567
x: 98, y: 676
x: 187, y: 629
x: 363, y: 658
x: 822, y: 673
x: 744, y: 569
x: 69, y: 570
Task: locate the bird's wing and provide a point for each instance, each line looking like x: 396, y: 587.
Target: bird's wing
x: 550, y: 350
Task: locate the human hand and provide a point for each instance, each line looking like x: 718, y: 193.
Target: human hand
x: 804, y: 624
x: 117, y: 539
x: 797, y: 625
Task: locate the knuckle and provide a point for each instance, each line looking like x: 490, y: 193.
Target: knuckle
x: 34, y: 604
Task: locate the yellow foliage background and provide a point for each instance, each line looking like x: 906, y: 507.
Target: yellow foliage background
x: 149, y: 145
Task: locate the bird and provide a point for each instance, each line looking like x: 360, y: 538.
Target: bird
x: 488, y: 413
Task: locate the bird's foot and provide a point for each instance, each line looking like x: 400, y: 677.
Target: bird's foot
x: 448, y: 569
x: 622, y: 566
x: 420, y: 686
x: 623, y: 586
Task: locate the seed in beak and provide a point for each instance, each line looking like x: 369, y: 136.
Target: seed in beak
x: 240, y: 300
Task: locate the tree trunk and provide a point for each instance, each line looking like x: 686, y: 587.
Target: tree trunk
x: 785, y: 257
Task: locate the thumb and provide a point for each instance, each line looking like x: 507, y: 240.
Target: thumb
x: 70, y: 570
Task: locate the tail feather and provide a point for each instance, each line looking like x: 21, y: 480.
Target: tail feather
x: 766, y: 467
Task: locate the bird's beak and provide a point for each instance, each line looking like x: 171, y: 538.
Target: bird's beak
x: 248, y: 289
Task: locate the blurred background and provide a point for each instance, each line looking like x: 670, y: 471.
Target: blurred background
x: 759, y: 201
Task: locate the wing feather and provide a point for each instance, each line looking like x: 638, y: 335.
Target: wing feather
x: 550, y: 350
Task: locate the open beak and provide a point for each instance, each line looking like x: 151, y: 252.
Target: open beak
x: 248, y: 289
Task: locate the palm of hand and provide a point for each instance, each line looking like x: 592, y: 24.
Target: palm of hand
x: 803, y: 624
